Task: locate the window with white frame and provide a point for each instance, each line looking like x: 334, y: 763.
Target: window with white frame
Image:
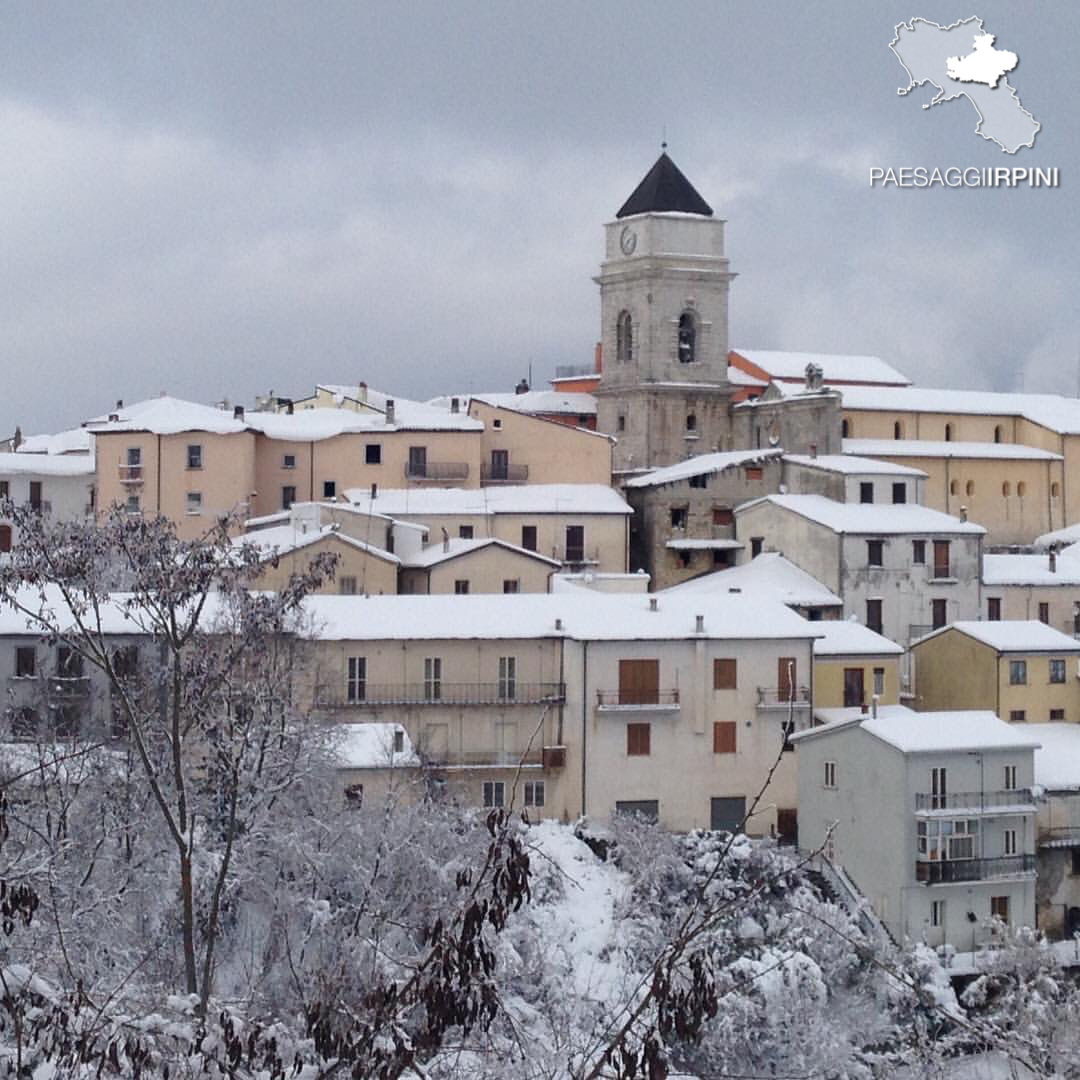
x: 194, y: 456
x: 288, y: 461
x: 433, y: 679
x: 356, y: 678
x: 194, y: 503
x: 1017, y: 672
x: 534, y: 793
x: 494, y: 793
x: 941, y: 840
x: 507, y: 678
x: 347, y: 585
x: 132, y: 504
x: 1010, y: 777
x: 1009, y: 842
x: 879, y: 681
x: 939, y: 788
x: 937, y: 913
x: 1057, y: 671
x: 830, y: 774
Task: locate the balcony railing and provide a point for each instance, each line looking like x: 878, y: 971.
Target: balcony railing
x: 946, y: 871
x: 436, y: 470
x: 42, y: 506
x: 504, y: 474
x: 130, y: 474
x: 577, y: 556
x: 769, y: 697
x: 973, y: 800
x: 373, y: 695
x: 496, y: 759
x: 50, y: 687
x: 637, y: 699
x: 1060, y: 836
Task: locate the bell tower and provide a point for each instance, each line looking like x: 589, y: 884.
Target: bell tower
x: 664, y: 286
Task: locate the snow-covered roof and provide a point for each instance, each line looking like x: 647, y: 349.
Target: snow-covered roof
x: 371, y: 746
x: 281, y: 539
x: 930, y: 448
x: 503, y: 499
x: 701, y: 465
x: 456, y: 547
x: 408, y: 414
x: 738, y: 377
x: 584, y: 614
x: 1068, y: 535
x: 298, y: 509
x: 927, y: 732
x: 1052, y: 411
x: 1030, y: 570
x: 1012, y: 636
x: 718, y: 544
x: 867, y: 518
x: 19, y: 464
x: 836, y: 367
x: 769, y: 575
x: 851, y: 465
x: 843, y: 637
x: 1057, y: 761
x: 532, y: 402
x: 73, y: 441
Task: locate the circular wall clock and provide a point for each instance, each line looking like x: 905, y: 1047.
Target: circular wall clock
x: 628, y: 240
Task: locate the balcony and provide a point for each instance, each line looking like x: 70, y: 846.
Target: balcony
x: 637, y: 700
x: 42, y: 506
x: 796, y: 697
x: 504, y: 474
x: 577, y: 558
x: 947, y: 871
x: 436, y: 472
x: 50, y: 688
x: 378, y: 695
x: 972, y: 802
x: 491, y: 759
x: 1060, y: 836
x: 130, y: 474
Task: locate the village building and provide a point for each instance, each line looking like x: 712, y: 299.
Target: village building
x: 847, y: 478
x: 788, y: 369
x: 478, y: 565
x: 60, y: 486
x: 854, y: 667
x: 1043, y: 586
x: 1022, y: 670
x: 931, y: 815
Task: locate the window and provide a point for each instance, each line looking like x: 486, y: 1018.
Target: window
x: 1057, y: 670
x: 134, y: 463
x: 866, y: 492
x: 494, y: 793
x: 940, y: 839
x: 461, y: 586
x: 511, y: 585
x: 723, y: 515
x: 637, y: 739
x: 131, y: 506
x: 575, y: 543
x: 875, y: 550
x: 937, y: 913
x: 194, y: 456
x: 941, y: 559
x: 899, y: 493
x: 1017, y: 672
x: 830, y: 774
x: 918, y: 552
x: 1021, y: 488
x: 687, y: 338
x: 753, y: 472
x: 399, y: 741
x: 534, y: 793
x: 727, y: 813
x: 347, y: 585
x: 373, y: 453
x: 997, y: 433
x: 194, y: 503
x: 1009, y: 845
x: 699, y: 481
x: 288, y: 461
x: 329, y: 489
x: 624, y: 338
x: 1076, y: 861
x: 288, y: 496
x: 1057, y: 714
x: 724, y: 674
x: 939, y: 788
x: 356, y: 678
x: 620, y: 424
x: 1044, y: 613
x: 1055, y: 490
x: 999, y: 908
x: 25, y: 661
x: 465, y: 532
x: 854, y: 692
x: 756, y: 544
x: 497, y: 424
x: 685, y: 558
x: 879, y: 681
x: 1017, y: 716
x: 639, y: 682
x: 354, y: 796
x: 948, y: 432
x: 678, y: 517
x: 1006, y: 488
x: 69, y: 663
x: 954, y: 487
x: 432, y: 678
x: 993, y: 608
x: 645, y: 809
x: 417, y: 463
x: 24, y: 722
x: 723, y: 737
x: 787, y: 681
x: 528, y: 537
x: 4, y: 490
x: 873, y: 615
x: 969, y: 487
x: 1010, y: 778
x: 507, y: 678
x: 897, y: 430
x: 938, y: 616
x: 691, y: 422
x: 845, y: 429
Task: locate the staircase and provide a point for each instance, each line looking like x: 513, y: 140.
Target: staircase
x: 833, y: 883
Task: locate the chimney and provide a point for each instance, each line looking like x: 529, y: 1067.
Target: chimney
x: 699, y: 624
x: 389, y: 410
x: 445, y: 539
x: 558, y: 624
x: 813, y: 450
x: 654, y: 604
x: 963, y: 513
x: 1053, y: 561
x: 454, y: 404
x: 598, y: 357
x: 113, y: 417
x: 522, y: 387
x: 17, y: 438
x: 873, y: 706
x: 119, y: 403
x: 361, y: 391
x: 238, y: 412
x: 374, y: 491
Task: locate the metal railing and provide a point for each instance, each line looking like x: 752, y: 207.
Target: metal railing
x: 575, y: 556
x: 1060, y: 836
x: 436, y: 470
x: 130, y: 474
x: 370, y: 695
x: 637, y: 699
x: 504, y: 474
x: 52, y: 687
x: 972, y: 800
x: 501, y: 758
x: 42, y: 506
x: 946, y: 871
x: 769, y: 697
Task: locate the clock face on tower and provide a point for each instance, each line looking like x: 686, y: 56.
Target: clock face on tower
x: 628, y: 240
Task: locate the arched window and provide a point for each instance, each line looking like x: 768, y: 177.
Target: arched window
x: 970, y: 488
x: 1006, y: 488
x: 1021, y: 488
x: 845, y: 429
x: 954, y: 487
x: 897, y: 430
x: 997, y: 433
x: 624, y: 338
x: 687, y: 338
x: 948, y: 432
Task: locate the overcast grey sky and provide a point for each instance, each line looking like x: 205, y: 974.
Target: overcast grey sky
x: 222, y: 199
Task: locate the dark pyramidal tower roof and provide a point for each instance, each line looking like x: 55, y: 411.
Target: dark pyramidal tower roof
x: 664, y: 188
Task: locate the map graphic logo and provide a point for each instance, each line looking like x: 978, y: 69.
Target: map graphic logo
x: 961, y: 62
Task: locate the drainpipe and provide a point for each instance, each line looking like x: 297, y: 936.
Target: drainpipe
x: 158, y: 493
x: 311, y: 470
x: 584, y: 720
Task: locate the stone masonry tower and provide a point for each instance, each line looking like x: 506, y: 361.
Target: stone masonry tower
x: 664, y: 287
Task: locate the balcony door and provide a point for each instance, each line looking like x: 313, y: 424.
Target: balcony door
x: 786, y: 679
x: 418, y: 461
x: 853, y: 687
x: 500, y: 464
x: 575, y: 543
x: 639, y: 682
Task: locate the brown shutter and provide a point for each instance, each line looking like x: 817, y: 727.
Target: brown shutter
x: 637, y: 739
x: 639, y: 682
x: 724, y: 674
x: 723, y: 737
x: 786, y: 678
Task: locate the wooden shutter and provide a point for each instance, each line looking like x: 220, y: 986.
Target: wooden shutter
x: 941, y: 558
x: 637, y: 739
x: 639, y: 682
x: 786, y: 678
x: 724, y: 674
x: 723, y: 737
x: 854, y: 692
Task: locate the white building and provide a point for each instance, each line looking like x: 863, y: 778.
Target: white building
x: 930, y: 814
x: 60, y: 485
